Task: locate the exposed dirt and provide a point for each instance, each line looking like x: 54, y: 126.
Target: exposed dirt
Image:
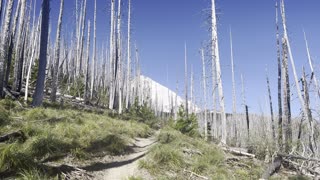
x: 123, y: 167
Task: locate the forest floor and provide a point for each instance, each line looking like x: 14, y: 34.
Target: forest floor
x: 66, y: 142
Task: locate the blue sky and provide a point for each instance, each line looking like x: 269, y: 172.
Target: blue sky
x: 160, y: 29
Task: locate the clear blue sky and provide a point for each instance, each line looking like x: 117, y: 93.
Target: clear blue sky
x: 160, y: 29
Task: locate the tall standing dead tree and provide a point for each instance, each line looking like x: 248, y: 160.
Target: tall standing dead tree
x: 128, y: 85
x: 286, y: 97
x: 205, y: 95
x: 216, y: 57
x: 4, y: 44
x: 18, y: 53
x: 38, y: 94
x: 54, y: 82
x: 94, y: 49
x: 271, y: 108
x: 280, y: 138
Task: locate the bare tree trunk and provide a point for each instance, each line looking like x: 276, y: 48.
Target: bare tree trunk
x: 94, y: 49
x: 112, y: 60
x: 118, y: 62
x: 54, y: 82
x: 205, y: 96
x: 86, y: 96
x: 311, y: 66
x: 1, y: 2
x: 191, y: 91
x: 234, y: 101
x: 215, y: 51
x: 34, y: 52
x: 12, y: 43
x: 128, y: 86
x: 312, y: 140
x: 38, y: 94
x: 83, y: 17
x: 292, y: 60
x: 18, y: 64
x: 280, y: 134
x: 4, y: 44
x: 245, y: 107
x: 271, y: 108
x: 186, y: 79
x: 286, y: 98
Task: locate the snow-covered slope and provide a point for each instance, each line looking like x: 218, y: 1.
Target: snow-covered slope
x: 162, y: 98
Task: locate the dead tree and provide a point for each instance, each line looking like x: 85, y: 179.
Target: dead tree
x: 312, y: 139
x: 128, y: 85
x: 186, y: 80
x: 286, y: 97
x: 246, y: 110
x: 4, y: 44
x: 271, y: 108
x: 205, y: 95
x: 216, y: 57
x: 316, y: 84
x: 94, y: 50
x: 86, y: 94
x: 38, y: 94
x: 234, y: 101
x: 280, y: 138
x: 112, y: 55
x: 19, y: 43
x: 54, y: 82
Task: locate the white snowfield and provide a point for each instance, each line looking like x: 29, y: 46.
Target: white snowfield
x: 162, y: 98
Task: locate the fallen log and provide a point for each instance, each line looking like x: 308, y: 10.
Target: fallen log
x: 13, y: 135
x: 289, y: 156
x: 273, y: 167
x: 238, y: 153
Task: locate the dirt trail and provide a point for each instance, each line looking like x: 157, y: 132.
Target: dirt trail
x: 126, y: 166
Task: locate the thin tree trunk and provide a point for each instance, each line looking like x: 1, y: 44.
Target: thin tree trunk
x: 312, y: 140
x: 94, y: 49
x: 271, y: 108
x: 38, y: 94
x: 205, y: 96
x: 311, y: 66
x: 216, y: 57
x: 34, y: 52
x: 112, y: 60
x: 54, y: 83
x: 87, y: 70
x: 128, y: 86
x: 4, y: 44
x: 280, y: 134
x: 286, y: 98
x: 18, y: 64
x: 83, y: 17
x: 12, y: 43
x: 234, y: 101
x: 118, y: 62
x: 186, y: 79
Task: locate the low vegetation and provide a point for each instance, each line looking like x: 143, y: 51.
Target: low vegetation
x: 52, y: 134
x: 176, y: 156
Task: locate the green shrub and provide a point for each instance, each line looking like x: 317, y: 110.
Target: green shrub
x: 187, y: 124
x: 4, y: 116
x: 142, y: 113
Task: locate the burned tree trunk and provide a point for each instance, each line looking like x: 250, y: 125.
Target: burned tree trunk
x: 54, y: 82
x: 38, y: 94
x: 286, y: 98
x: 4, y: 44
x: 280, y: 138
x: 18, y: 64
